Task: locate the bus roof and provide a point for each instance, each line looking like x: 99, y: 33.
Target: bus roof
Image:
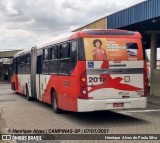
x: 86, y: 33
x: 25, y: 51
x: 90, y: 33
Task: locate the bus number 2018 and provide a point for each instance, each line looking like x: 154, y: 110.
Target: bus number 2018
x: 97, y: 79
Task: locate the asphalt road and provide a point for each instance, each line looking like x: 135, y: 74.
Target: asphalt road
x: 20, y: 114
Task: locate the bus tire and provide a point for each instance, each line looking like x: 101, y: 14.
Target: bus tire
x: 54, y: 103
x: 14, y: 86
x: 27, y: 94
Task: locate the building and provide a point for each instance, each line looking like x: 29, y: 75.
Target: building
x: 5, y: 64
x: 145, y: 18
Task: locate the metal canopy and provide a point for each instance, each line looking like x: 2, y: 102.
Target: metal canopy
x: 145, y: 18
x: 8, y: 54
x: 136, y: 14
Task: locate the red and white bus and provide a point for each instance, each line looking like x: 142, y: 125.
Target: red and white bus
x: 82, y: 71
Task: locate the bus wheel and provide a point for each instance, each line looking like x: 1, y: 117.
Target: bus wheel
x: 54, y: 103
x: 13, y: 87
x: 27, y: 94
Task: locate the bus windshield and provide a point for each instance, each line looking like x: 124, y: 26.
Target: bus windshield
x: 121, y: 49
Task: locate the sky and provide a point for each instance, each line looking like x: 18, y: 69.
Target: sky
x: 26, y: 23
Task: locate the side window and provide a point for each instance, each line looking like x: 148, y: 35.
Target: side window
x: 14, y: 66
x: 65, y: 51
x: 18, y: 64
x: 22, y: 64
x: 45, y: 64
x: 28, y: 64
x: 28, y: 59
x: 54, y: 52
x: 64, y: 59
x: 54, y: 59
x: 46, y: 54
x: 74, y: 47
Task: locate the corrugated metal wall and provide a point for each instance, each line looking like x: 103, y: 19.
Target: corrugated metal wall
x: 138, y: 13
x: 99, y: 24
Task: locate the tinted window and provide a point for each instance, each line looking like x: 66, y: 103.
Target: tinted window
x: 45, y: 67
x: 132, y: 50
x: 63, y: 58
x: 28, y: 65
x: 132, y: 45
x: 54, y: 52
x: 64, y: 61
x: 21, y: 60
x: 65, y: 51
x: 24, y: 64
x: 45, y: 54
x: 45, y: 64
x: 64, y: 66
x: 53, y: 66
x: 14, y: 66
x: 28, y: 58
x: 73, y: 54
x: 22, y: 68
x: 28, y: 68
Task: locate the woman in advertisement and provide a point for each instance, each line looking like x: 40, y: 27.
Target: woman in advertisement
x: 98, y: 53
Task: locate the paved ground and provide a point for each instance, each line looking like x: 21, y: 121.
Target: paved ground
x: 20, y: 114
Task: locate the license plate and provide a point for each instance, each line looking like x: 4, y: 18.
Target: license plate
x: 118, y: 104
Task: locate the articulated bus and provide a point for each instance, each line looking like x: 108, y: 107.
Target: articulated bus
x: 88, y: 70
